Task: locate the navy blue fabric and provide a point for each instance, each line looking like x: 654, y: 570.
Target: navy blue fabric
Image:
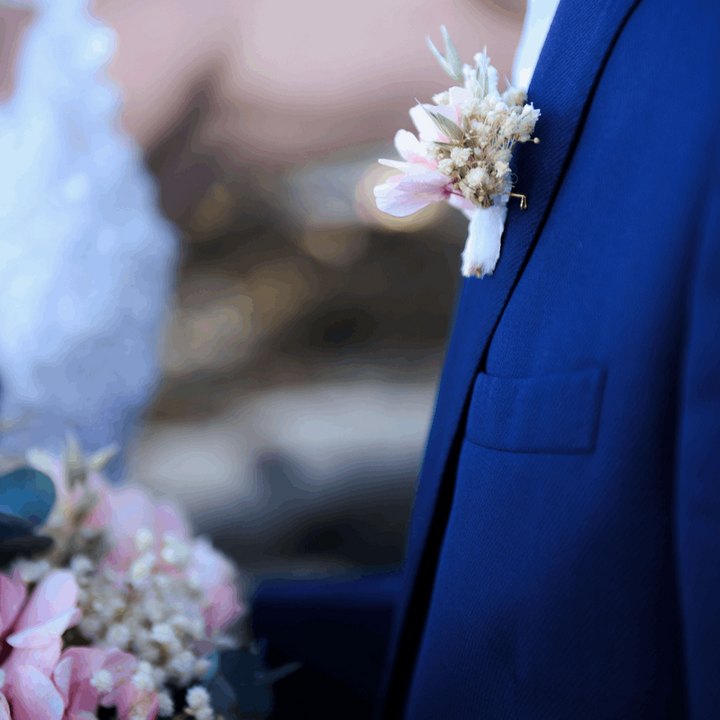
x: 564, y: 555
x: 566, y: 410
x: 337, y: 629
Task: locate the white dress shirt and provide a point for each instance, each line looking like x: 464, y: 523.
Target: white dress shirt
x: 538, y: 17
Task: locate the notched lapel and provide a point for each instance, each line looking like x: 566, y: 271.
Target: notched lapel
x: 578, y: 44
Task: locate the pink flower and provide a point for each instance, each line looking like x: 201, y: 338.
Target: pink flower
x: 4, y: 708
x: 144, y: 529
x: 36, y: 643
x: 216, y: 576
x: 12, y: 596
x: 125, y: 510
x: 51, y: 609
x: 130, y: 512
x: 147, y: 534
x: 133, y: 703
x: 421, y: 183
x: 31, y: 695
x: 88, y: 677
x: 403, y: 195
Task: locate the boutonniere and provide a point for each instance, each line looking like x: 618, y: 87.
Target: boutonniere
x: 463, y: 154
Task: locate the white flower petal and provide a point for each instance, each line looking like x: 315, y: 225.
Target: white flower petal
x: 465, y: 206
x: 47, y: 632
x: 408, y: 145
x: 423, y: 122
x: 459, y: 95
x: 406, y: 167
x: 427, y: 129
x: 409, y: 193
x: 492, y: 80
x: 482, y: 248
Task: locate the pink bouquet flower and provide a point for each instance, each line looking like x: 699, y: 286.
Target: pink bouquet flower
x: 32, y: 650
x: 88, y: 677
x: 151, y: 534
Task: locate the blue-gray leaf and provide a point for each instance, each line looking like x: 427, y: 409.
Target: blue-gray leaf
x: 222, y: 697
x: 27, y: 495
x: 242, y: 681
x: 13, y: 527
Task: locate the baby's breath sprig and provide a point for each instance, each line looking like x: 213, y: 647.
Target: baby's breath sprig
x: 477, y: 156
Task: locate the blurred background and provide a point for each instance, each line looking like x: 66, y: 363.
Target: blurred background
x: 301, y: 359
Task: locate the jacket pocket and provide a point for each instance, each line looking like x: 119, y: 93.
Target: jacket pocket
x: 546, y: 414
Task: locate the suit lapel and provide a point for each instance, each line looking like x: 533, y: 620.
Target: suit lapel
x: 578, y: 44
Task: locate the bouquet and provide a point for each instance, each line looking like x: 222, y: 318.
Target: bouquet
x: 119, y: 612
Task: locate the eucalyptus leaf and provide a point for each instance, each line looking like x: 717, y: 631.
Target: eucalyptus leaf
x: 240, y: 668
x: 13, y: 527
x: 24, y: 546
x: 271, y: 676
x: 214, y: 660
x: 26, y: 499
x: 241, y: 683
x: 26, y: 494
x: 222, y: 698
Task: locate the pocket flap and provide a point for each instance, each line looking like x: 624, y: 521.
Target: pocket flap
x: 546, y: 414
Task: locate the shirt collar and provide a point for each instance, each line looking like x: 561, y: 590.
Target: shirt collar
x: 538, y: 18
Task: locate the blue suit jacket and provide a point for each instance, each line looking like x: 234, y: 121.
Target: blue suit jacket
x: 564, y: 557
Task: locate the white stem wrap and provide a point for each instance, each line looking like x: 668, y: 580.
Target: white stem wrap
x: 482, y: 248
